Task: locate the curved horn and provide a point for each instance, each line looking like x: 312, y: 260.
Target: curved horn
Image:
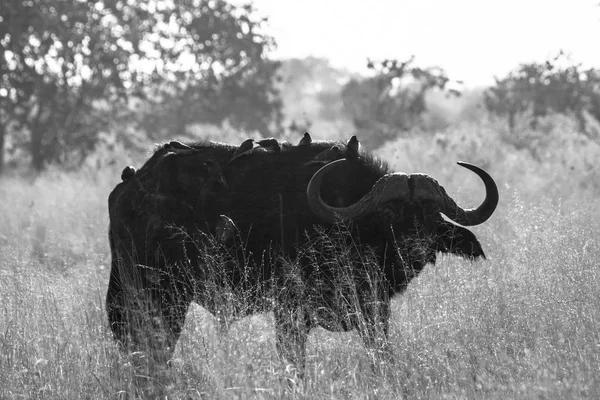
x: 416, y: 187
x: 388, y: 187
x: 473, y: 216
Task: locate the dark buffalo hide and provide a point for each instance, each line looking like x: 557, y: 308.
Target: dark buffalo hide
x: 320, y: 232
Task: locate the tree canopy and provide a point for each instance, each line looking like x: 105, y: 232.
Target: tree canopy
x: 537, y: 89
x: 69, y: 70
x: 393, y: 99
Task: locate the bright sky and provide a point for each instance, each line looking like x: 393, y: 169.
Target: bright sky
x: 472, y: 40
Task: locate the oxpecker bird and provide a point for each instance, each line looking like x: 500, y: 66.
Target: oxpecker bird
x: 306, y: 140
x: 270, y: 144
x: 178, y: 145
x: 326, y: 156
x: 245, y: 148
x: 128, y: 173
x: 353, y: 144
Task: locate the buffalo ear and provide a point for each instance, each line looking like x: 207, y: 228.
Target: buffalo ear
x: 225, y: 228
x: 458, y: 240
x: 353, y: 145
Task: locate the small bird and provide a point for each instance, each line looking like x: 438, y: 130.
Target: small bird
x: 353, y: 144
x: 245, y: 148
x: 326, y: 156
x: 306, y: 140
x: 269, y: 144
x: 178, y: 145
x: 128, y: 173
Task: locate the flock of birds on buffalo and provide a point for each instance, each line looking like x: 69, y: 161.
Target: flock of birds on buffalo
x: 249, y: 221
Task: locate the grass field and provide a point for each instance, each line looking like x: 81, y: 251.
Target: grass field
x: 525, y: 323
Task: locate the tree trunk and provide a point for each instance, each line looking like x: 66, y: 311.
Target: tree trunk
x: 37, y: 155
x: 2, y: 144
x: 35, y: 145
x: 511, y: 120
x: 37, y: 130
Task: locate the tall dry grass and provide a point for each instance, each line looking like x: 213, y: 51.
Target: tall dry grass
x: 525, y: 323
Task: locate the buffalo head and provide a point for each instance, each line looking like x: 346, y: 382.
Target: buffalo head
x: 408, y: 208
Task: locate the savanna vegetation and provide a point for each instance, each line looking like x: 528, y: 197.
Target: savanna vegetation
x: 77, y: 105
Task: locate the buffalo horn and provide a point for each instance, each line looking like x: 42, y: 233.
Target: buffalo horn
x: 472, y: 216
x: 388, y: 187
x: 415, y: 188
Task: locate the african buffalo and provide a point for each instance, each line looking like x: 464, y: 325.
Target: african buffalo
x: 257, y: 222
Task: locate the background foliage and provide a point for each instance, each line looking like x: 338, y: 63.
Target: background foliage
x: 538, y: 89
x: 78, y: 76
x: 71, y: 71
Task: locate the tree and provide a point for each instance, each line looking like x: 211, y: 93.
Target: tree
x: 68, y: 69
x: 536, y: 89
x: 213, y: 68
x: 58, y: 59
x: 310, y: 88
x: 393, y: 100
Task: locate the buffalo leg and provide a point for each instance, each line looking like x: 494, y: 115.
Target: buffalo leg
x: 117, y: 310
x: 168, y: 314
x: 148, y: 320
x: 374, y: 329
x: 291, y: 333
x: 291, y: 319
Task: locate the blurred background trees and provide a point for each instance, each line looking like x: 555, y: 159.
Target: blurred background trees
x: 58, y: 60
x: 70, y: 71
x: 77, y: 75
x: 535, y: 90
x: 392, y: 101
